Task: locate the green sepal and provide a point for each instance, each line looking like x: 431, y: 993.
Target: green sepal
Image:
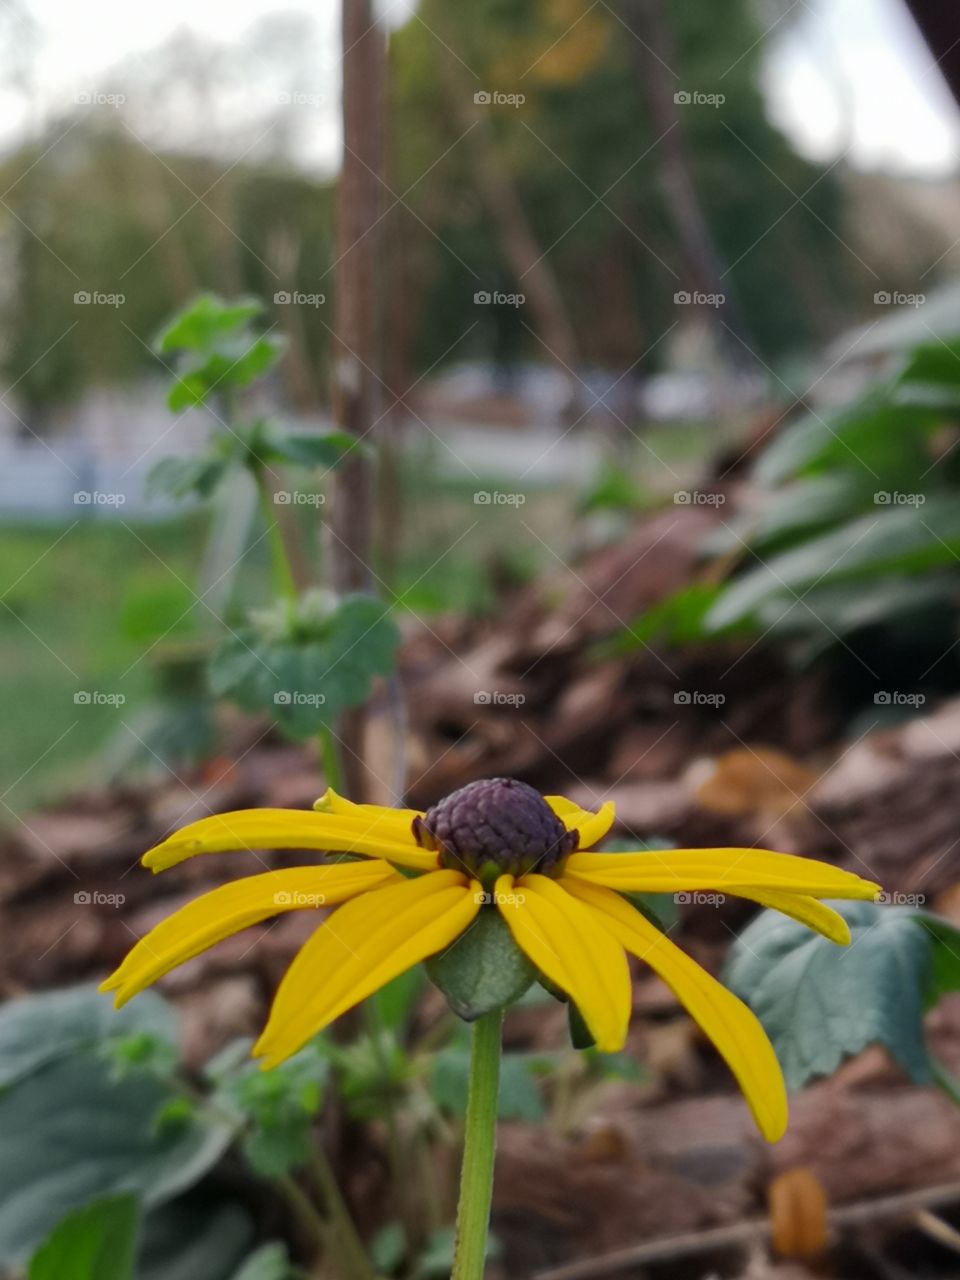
x: 580, y: 1035
x: 484, y: 970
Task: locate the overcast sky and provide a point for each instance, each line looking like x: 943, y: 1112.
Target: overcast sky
x: 839, y: 74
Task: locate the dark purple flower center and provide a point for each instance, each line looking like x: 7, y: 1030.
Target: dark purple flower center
x: 493, y: 827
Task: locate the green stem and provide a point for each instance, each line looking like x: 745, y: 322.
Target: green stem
x: 330, y: 755
x: 480, y: 1140
x: 351, y: 1254
x: 282, y: 570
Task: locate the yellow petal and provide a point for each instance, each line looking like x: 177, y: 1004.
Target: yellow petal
x: 290, y: 829
x: 675, y: 870
x: 232, y: 907
x: 574, y: 948
x: 815, y: 915
x: 592, y: 826
x: 725, y: 1019
x: 397, y: 824
x: 359, y: 949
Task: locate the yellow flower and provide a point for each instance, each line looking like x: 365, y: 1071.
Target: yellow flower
x: 493, y: 845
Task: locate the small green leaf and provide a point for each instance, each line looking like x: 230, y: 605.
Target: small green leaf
x: 269, y: 1262
x: 821, y: 1003
x: 94, y: 1243
x: 518, y: 1098
x: 303, y: 666
x: 388, y: 1248
x: 483, y: 970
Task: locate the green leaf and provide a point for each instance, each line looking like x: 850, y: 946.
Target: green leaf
x: 483, y: 970
x: 821, y: 1003
x: 519, y: 1097
x: 388, y: 1248
x: 180, y: 477
x: 307, y: 450
x: 674, y: 621
x: 38, y: 1030
x: 269, y: 1262
x: 205, y: 322
x: 303, y: 667
x: 69, y: 1133
x: 93, y: 1243
x: 896, y: 539
x: 194, y: 1239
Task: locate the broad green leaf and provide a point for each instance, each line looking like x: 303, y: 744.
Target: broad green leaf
x: 195, y: 1238
x: 896, y: 539
x: 205, y: 322
x: 304, y: 667
x: 839, y: 608
x: 70, y: 1133
x: 483, y: 970
x: 519, y: 1097
x: 180, y: 477
x: 96, y: 1242
x: 279, y: 1107
x: 676, y: 620
x: 40, y: 1029
x: 821, y: 1003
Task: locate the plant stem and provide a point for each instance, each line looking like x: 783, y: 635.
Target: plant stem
x: 349, y: 1247
x: 330, y: 755
x: 480, y: 1140
x: 282, y: 570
